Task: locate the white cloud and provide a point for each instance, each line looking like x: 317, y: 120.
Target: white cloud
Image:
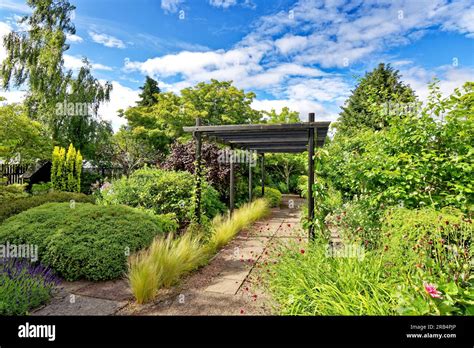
x: 13, y: 96
x: 171, y: 6
x: 14, y: 6
x: 75, y: 63
x: 121, y: 97
x: 303, y: 107
x: 223, y: 3
x: 74, y: 38
x: 450, y: 78
x: 290, y: 43
x: 106, y: 40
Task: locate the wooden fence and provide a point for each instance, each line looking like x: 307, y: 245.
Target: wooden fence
x: 12, y: 172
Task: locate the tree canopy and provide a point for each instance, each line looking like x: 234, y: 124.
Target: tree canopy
x: 370, y: 102
x: 35, y: 58
x: 149, y: 90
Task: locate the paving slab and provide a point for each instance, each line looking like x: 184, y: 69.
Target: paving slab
x: 81, y: 305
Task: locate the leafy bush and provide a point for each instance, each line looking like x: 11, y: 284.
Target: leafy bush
x: 271, y: 194
x: 9, y: 192
x: 16, y: 206
x: 418, y: 161
x: 85, y: 240
x: 41, y: 188
x: 163, y: 192
x: 308, y: 282
x: 24, y: 286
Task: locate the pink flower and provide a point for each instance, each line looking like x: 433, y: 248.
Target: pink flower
x: 431, y: 289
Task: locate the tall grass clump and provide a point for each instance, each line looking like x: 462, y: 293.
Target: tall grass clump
x: 169, y: 258
x: 225, y: 228
x: 312, y: 282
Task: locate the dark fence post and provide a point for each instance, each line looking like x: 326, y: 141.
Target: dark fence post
x: 197, y: 173
x: 263, y: 174
x: 232, y: 181
x: 250, y: 176
x: 311, y: 176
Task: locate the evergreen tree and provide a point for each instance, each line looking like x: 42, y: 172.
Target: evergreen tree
x: 370, y: 102
x: 149, y: 91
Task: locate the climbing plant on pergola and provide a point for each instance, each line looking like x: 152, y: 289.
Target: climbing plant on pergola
x: 262, y: 139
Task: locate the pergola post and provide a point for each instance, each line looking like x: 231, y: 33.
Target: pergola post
x: 197, y: 173
x: 250, y: 177
x: 232, y: 181
x: 311, y: 176
x: 263, y: 173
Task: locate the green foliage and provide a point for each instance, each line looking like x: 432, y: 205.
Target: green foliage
x: 11, y: 192
x: 432, y: 247
x: 163, y: 192
x: 223, y: 229
x: 271, y: 194
x: 285, y: 116
x: 66, y: 169
x: 419, y: 161
x: 170, y: 258
x: 12, y: 207
x: 84, y: 240
x: 149, y: 91
x: 312, y: 283
x: 41, y: 188
x: 215, y: 102
x: 21, y: 136
x: 35, y: 58
x: 375, y: 93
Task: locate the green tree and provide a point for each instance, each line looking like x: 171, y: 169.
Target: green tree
x: 374, y: 101
x: 22, y: 137
x: 149, y: 91
x: 285, y: 116
x: 66, y: 169
x: 35, y: 58
x: 284, y: 166
x: 215, y: 102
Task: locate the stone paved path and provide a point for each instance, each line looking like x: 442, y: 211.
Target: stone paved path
x: 229, y: 285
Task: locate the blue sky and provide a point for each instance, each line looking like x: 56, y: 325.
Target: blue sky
x: 301, y: 54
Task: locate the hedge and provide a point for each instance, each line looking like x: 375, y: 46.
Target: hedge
x: 16, y: 206
x: 85, y: 240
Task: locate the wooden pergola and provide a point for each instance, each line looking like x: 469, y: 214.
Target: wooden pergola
x: 262, y: 139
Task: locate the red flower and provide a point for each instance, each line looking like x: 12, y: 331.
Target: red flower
x: 302, y: 251
x: 431, y: 290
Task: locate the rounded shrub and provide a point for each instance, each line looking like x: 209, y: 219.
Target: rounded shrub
x: 18, y: 205
x: 271, y: 194
x: 85, y: 240
x: 162, y: 191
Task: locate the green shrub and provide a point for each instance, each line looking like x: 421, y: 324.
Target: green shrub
x: 16, y: 206
x: 85, y: 240
x: 9, y: 192
x: 302, y: 185
x: 41, y: 188
x: 308, y: 282
x: 271, y: 194
x: 163, y: 192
